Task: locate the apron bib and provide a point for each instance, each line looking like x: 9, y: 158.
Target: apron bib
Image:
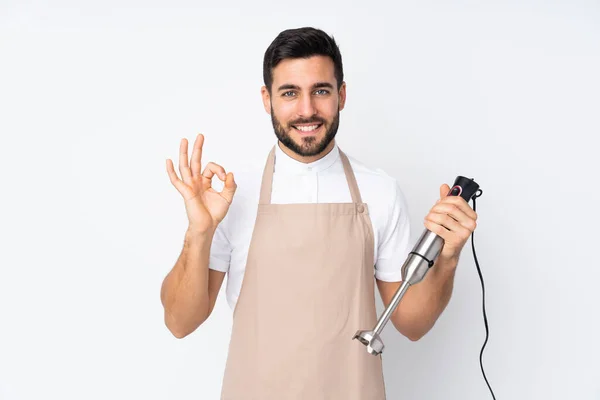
x: 308, y: 287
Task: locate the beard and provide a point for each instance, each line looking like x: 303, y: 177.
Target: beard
x: 309, y: 145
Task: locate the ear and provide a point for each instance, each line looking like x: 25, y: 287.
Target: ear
x: 342, y: 96
x: 266, y: 98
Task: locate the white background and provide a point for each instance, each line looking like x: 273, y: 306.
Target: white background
x: 95, y: 96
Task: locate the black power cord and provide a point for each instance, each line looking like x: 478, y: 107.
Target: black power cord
x: 485, y: 321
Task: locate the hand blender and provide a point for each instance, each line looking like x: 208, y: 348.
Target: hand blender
x: 418, y: 262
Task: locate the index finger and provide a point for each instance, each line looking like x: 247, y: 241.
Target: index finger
x: 461, y: 204
x: 196, y: 160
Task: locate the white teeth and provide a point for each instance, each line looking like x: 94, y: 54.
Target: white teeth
x: 307, y: 128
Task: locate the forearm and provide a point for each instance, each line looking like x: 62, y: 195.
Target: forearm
x: 424, y: 302
x: 184, y: 293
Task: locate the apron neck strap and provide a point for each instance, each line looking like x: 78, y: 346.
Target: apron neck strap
x: 267, y: 179
x: 351, y: 179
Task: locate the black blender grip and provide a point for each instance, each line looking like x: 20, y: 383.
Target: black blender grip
x: 464, y: 187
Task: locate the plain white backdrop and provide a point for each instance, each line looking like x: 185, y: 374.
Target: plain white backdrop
x: 94, y: 96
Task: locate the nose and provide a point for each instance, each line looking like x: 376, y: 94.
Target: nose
x: 306, y: 107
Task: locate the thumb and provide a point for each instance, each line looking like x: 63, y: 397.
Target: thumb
x: 229, y: 187
x: 444, y: 190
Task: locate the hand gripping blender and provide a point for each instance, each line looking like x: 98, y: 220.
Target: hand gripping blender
x: 418, y: 262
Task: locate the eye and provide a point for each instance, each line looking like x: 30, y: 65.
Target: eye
x: 322, y: 91
x: 289, y: 93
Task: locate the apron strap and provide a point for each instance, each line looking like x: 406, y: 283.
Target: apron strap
x: 354, y: 192
x: 267, y: 179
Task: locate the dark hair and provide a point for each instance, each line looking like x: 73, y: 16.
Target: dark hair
x: 301, y: 43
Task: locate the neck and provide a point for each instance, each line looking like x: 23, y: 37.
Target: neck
x: 306, y: 159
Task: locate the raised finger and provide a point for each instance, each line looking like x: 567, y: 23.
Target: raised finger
x: 184, y: 169
x: 196, y: 160
x: 173, y: 176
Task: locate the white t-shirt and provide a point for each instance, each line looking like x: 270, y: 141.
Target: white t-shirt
x: 322, y: 181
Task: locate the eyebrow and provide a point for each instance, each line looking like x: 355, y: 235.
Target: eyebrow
x: 317, y: 85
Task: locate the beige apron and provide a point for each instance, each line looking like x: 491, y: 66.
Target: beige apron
x: 307, y: 288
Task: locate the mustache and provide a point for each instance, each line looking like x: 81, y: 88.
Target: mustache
x: 315, y: 120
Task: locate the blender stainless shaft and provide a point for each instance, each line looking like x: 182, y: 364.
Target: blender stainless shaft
x: 414, y: 269
x: 418, y: 262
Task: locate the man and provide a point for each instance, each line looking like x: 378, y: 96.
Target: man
x: 304, y: 241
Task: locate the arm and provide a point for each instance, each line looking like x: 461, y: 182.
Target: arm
x: 190, y: 290
x: 422, y: 303
x: 454, y: 220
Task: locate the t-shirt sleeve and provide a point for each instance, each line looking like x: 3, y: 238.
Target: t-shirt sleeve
x: 220, y: 250
x: 394, y: 245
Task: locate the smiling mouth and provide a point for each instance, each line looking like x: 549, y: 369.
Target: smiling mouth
x: 307, y: 128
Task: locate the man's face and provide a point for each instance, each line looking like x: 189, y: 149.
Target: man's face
x: 304, y: 104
